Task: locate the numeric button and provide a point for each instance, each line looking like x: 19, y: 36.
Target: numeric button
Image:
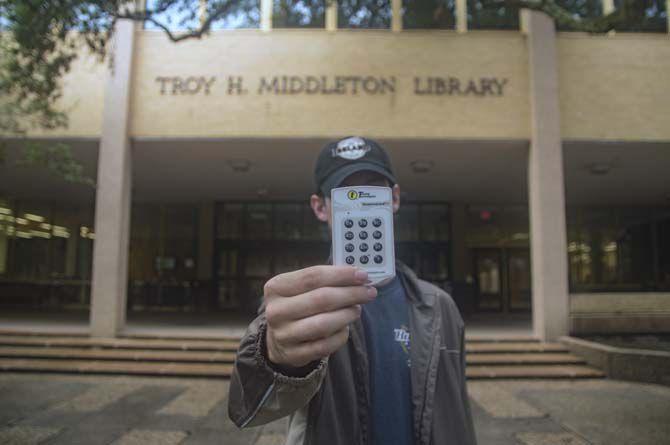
x: 377, y: 247
x: 363, y: 247
x: 350, y: 260
x: 349, y: 247
x: 363, y: 235
x: 377, y: 234
x: 349, y: 235
x: 364, y: 259
x: 376, y: 222
x: 363, y: 223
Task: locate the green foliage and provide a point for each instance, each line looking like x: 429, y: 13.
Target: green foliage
x: 57, y: 159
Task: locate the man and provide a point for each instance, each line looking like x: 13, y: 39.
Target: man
x: 350, y: 363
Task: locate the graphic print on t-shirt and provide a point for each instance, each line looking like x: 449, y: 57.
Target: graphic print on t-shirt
x: 401, y: 335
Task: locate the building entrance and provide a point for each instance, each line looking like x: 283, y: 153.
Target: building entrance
x: 502, y: 277
x: 255, y: 241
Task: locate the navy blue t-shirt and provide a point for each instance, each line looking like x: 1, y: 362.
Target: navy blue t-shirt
x: 386, y: 324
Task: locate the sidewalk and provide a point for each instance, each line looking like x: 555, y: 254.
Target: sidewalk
x: 90, y: 410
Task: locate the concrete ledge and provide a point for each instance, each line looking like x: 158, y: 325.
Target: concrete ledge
x: 625, y: 312
x: 638, y: 365
x: 619, y: 323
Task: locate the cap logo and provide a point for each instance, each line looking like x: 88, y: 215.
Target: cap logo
x: 351, y: 148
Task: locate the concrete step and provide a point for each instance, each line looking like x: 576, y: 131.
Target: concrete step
x: 533, y: 372
x: 117, y: 354
x: 231, y: 345
x: 119, y: 343
x: 503, y: 338
x: 558, y: 358
x: 507, y: 358
x: 116, y: 367
x: 229, y: 357
x: 224, y: 370
x: 509, y: 347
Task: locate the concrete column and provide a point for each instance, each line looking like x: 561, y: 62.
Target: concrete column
x: 331, y: 15
x: 461, y: 15
x: 202, y: 11
x: 396, y: 15
x: 266, y: 15
x: 545, y: 181
x: 113, y: 198
x: 608, y: 6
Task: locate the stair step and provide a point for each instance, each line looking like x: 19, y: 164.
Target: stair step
x: 504, y: 338
x: 503, y: 347
x: 533, y: 372
x: 118, y: 354
x: 229, y: 357
x: 117, y: 367
x: 523, y: 358
x: 119, y: 343
x: 224, y: 370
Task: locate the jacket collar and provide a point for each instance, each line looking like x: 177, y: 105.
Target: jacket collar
x: 413, y: 287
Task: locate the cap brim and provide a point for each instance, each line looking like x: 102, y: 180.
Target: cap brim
x: 340, y: 175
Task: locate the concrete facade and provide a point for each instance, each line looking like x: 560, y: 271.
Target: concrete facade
x: 535, y: 89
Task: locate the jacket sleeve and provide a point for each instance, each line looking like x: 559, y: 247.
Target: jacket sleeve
x: 469, y: 424
x: 259, y: 393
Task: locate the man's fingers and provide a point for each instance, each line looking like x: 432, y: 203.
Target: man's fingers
x: 304, y: 280
x: 325, y: 299
x: 317, y: 327
x: 307, y: 352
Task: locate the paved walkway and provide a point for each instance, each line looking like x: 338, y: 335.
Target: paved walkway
x: 90, y: 410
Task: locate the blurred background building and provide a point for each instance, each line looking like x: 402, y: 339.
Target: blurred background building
x: 534, y: 165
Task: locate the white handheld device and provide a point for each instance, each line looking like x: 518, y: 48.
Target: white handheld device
x: 362, y: 224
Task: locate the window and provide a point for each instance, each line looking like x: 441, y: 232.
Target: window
x: 580, y: 8
x: 655, y: 17
x: 482, y: 15
x: 368, y: 14
x: 298, y: 13
x: 428, y: 14
x: 614, y: 249
x: 46, y: 253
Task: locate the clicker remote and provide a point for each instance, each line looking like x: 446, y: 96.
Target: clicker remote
x: 362, y: 225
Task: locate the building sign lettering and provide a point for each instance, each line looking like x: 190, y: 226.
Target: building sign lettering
x: 355, y: 85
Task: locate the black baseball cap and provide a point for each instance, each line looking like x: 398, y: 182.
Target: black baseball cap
x: 339, y: 159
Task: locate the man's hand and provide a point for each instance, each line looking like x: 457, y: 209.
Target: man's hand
x: 308, y: 312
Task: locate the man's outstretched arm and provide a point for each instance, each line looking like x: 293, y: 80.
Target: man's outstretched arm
x: 282, y: 358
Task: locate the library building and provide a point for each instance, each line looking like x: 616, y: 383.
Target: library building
x: 533, y: 162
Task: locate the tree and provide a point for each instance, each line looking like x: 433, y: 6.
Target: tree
x: 40, y: 39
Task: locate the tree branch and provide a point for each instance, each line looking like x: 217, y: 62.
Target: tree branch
x: 149, y: 16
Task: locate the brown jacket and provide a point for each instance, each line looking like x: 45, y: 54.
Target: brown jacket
x: 330, y: 405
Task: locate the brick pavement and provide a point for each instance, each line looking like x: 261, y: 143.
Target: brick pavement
x: 123, y: 410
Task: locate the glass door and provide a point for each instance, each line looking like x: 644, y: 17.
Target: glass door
x: 503, y: 279
x: 488, y: 276
x: 518, y: 279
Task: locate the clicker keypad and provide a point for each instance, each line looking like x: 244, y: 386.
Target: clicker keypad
x: 362, y: 230
x: 356, y: 232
